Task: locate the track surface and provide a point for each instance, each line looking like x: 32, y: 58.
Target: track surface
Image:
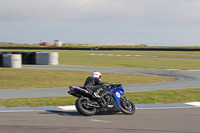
x: 143, y: 121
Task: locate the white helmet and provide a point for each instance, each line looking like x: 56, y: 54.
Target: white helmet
x: 96, y: 74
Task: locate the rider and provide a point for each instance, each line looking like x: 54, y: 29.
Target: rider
x: 94, y: 83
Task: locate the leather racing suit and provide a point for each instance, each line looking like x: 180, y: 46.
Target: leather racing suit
x: 95, y: 85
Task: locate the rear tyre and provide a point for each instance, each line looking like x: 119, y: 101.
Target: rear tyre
x: 127, y: 107
x: 83, y: 107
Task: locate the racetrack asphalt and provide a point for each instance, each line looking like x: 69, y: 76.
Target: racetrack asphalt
x: 143, y: 121
x: 184, y: 79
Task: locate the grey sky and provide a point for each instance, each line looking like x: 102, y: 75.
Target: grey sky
x: 151, y: 22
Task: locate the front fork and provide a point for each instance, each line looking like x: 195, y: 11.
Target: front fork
x: 124, y: 100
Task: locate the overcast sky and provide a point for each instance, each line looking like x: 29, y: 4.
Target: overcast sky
x: 151, y: 22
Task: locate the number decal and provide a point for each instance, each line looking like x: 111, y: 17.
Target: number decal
x: 118, y: 94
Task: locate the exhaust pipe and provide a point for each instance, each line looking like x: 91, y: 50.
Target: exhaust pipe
x: 75, y: 88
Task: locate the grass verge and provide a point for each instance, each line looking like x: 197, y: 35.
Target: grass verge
x: 159, y: 96
x: 26, y: 78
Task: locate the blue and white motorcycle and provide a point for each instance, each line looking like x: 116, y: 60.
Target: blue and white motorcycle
x: 88, y: 105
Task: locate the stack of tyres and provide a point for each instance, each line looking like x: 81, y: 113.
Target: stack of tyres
x: 12, y: 60
x: 47, y: 58
x: 1, y: 59
x: 28, y: 58
x: 44, y: 58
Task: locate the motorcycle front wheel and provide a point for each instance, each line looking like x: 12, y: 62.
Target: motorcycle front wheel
x: 127, y: 107
x: 83, y: 107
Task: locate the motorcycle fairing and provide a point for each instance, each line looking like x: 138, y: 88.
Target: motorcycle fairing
x: 117, y: 93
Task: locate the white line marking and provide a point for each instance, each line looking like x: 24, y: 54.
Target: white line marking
x: 71, y: 108
x: 5, y: 111
x: 197, y: 104
x: 94, y: 120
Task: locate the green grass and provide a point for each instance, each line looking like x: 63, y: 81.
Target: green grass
x: 26, y: 78
x: 131, y: 62
x: 165, y: 96
x: 159, y: 96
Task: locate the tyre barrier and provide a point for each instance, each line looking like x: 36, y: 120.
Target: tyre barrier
x: 16, y: 59
x: 12, y: 60
x: 47, y: 58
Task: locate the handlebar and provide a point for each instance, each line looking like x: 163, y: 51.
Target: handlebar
x: 111, y: 85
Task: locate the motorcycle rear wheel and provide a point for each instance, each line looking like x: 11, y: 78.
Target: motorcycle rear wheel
x: 127, y: 107
x: 83, y: 108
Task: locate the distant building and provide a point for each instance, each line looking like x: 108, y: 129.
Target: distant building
x: 57, y: 43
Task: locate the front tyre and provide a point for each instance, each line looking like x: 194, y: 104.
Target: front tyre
x: 126, y: 106
x: 82, y: 105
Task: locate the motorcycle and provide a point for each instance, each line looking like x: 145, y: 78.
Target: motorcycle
x: 88, y: 105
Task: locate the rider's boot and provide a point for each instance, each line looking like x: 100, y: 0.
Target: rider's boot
x: 99, y: 95
x: 96, y: 95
